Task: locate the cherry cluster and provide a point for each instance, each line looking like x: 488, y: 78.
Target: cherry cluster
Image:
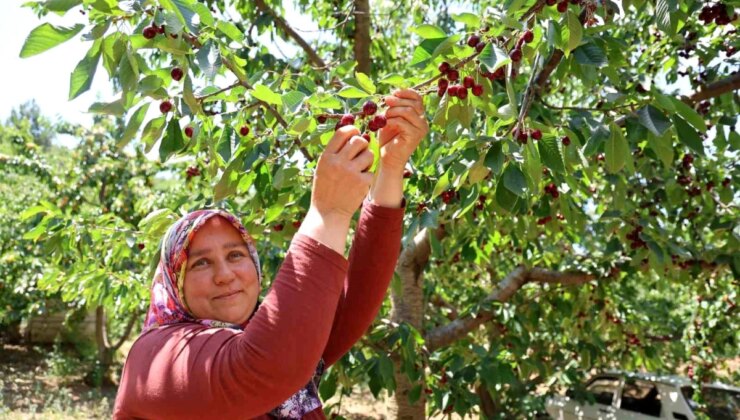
x: 523, y: 135
x: 703, y: 107
x: 449, y: 195
x: 634, y: 236
x: 552, y: 189
x: 458, y: 90
x: 192, y: 171
x: 151, y: 31
x: 717, y: 13
x: 369, y: 108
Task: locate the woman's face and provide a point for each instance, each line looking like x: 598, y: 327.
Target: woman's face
x: 220, y: 278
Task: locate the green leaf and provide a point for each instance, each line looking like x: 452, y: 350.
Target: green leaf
x: 429, y: 31
x: 550, y: 153
x: 365, y: 83
x: 495, y: 157
x: 688, y: 114
x: 575, y: 31
x: 591, y: 55
x: 189, y: 97
x: 209, y: 59
x: 654, y: 120
x: 616, y: 150
x: 224, y: 143
x: 132, y: 127
x: 61, y: 6
x: 152, y: 131
x: 230, y: 30
x: 172, y: 141
x: 423, y: 53
x: 442, y: 184
x: 663, y: 147
x: 352, y: 92
x: 228, y: 182
x: 206, y: 18
x: 598, y: 136
x: 494, y: 57
x: 110, y: 108
x: 469, y: 19
x: 687, y: 135
x: 293, y: 99
x: 514, y: 180
x: 263, y: 93
x: 505, y: 198
x: 81, y: 78
x: 664, y: 16
x: 47, y: 36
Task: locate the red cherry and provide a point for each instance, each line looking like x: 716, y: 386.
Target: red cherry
x: 452, y: 90
x: 149, y: 32
x: 140, y: 246
x: 243, y: 130
x: 444, y: 67
x: 473, y: 40
x: 563, y: 6
x: 468, y: 82
x: 536, y: 134
x: 369, y: 108
x: 347, y: 119
x: 478, y: 90
x: 165, y: 107
x: 515, y: 55
x: 528, y: 37
x: 443, y: 83
x: 189, y: 131
x: 566, y: 140
x: 453, y: 75
x: 297, y: 224
x: 177, y: 74
x: 321, y: 119
x: 521, y: 136
x: 278, y: 227
x: 480, y: 46
x: 160, y: 30
x: 462, y: 93
x: 726, y: 182
x: 366, y: 136
x: 407, y: 173
x: 380, y: 120
x: 551, y: 2
x: 441, y: 92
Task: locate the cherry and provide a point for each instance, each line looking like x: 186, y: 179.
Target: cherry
x: 141, y: 246
x: 563, y: 6
x: 160, y: 30
x: 452, y: 90
x: 521, y: 136
x: 365, y: 136
x: 544, y: 220
x: 297, y: 224
x: 566, y: 140
x: 478, y: 90
x: 441, y: 92
x: 420, y: 208
x: 473, y: 40
x: 192, y: 171
x: 726, y: 182
x: 536, y: 134
x: 462, y: 93
x: 189, y: 131
x: 444, y: 67
x: 177, y: 74
x: 515, y: 55
x: 165, y: 106
x: 378, y: 122
x: 149, y: 32
x: 347, y: 119
x: 453, y: 75
x: 551, y: 2
x: 407, y: 173
x: 528, y: 37
x: 321, y: 119
x: 278, y: 227
x: 480, y: 46
x: 443, y: 83
x: 243, y: 130
x: 369, y: 108
x: 468, y: 82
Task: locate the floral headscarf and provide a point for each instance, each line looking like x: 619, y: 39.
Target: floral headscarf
x: 168, y: 305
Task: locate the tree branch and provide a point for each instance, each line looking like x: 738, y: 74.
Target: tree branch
x: 282, y: 24
x: 362, y: 36
x: 447, y: 334
x: 715, y: 89
x: 126, y: 332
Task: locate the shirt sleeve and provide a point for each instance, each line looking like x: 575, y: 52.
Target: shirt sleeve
x: 372, y: 261
x: 190, y: 371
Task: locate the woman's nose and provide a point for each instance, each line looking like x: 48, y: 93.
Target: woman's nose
x: 223, y: 274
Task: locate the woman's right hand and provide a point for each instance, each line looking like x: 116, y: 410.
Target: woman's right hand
x: 342, y: 181
x: 340, y: 184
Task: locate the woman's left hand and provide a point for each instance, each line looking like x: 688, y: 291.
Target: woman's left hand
x: 407, y: 125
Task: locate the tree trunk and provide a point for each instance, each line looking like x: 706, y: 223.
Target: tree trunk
x: 408, y: 306
x: 362, y: 36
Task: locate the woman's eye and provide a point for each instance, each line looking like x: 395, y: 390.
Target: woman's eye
x: 236, y: 254
x: 199, y: 263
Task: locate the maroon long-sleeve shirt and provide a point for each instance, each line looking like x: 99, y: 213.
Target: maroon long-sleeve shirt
x: 319, y: 305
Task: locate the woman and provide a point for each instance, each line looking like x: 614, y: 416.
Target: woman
x: 208, y: 352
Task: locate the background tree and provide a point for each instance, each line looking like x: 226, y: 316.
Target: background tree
x: 570, y: 211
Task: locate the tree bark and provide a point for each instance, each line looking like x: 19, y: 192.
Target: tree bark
x: 362, y: 36
x: 408, y: 306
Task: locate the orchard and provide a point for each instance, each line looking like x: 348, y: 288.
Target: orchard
x: 573, y: 209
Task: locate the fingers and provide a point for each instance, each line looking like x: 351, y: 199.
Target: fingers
x: 409, y: 114
x: 394, y: 101
x: 397, y: 126
x: 364, y: 160
x: 340, y: 138
x: 353, y: 147
x: 407, y: 94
